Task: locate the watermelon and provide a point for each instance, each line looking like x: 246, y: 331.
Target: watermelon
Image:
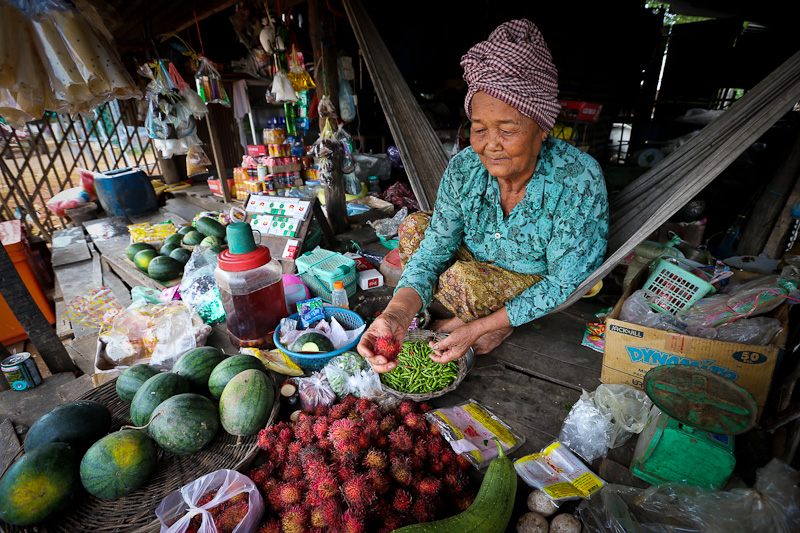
x: 246, y: 403
x: 210, y: 227
x: 197, y: 364
x: 135, y: 248
x: 40, y: 484
x: 184, y: 423
x: 118, y: 464
x: 168, y: 247
x: 183, y: 230
x: 175, y: 238
x: 142, y: 259
x: 181, y: 255
x: 154, y: 391
x: 215, y: 243
x: 132, y: 378
x: 164, y: 268
x: 312, y: 342
x: 78, y: 423
x: 228, y: 368
x: 193, y: 238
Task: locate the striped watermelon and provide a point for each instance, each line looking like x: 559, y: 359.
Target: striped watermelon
x: 246, y: 403
x: 184, y: 423
x: 197, y: 364
x: 118, y: 464
x: 154, y: 391
x: 228, y: 368
x: 132, y: 378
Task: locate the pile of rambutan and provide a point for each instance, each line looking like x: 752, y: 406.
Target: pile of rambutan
x: 355, y: 468
x: 227, y: 514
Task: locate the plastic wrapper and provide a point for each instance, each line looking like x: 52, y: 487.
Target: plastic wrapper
x: 388, y: 227
x: 315, y: 391
x: 350, y: 373
x: 372, y: 165
x: 171, y: 118
x: 282, y: 88
x: 773, y: 504
x: 757, y: 331
x: 558, y: 473
x: 67, y: 199
x: 192, y: 100
x: 636, y: 310
x: 470, y: 429
x: 603, y: 419
x: 347, y: 103
x: 209, y: 83
x: 401, y: 196
x: 334, y: 331
x: 94, y: 309
x: 755, y: 297
x: 325, y: 108
x: 179, y: 510
x: 300, y: 78
x: 197, y: 161
x: 199, y: 287
x: 647, y: 252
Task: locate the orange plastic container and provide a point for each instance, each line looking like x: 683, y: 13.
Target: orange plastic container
x: 12, y: 235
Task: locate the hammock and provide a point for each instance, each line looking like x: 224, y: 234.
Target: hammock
x: 639, y: 209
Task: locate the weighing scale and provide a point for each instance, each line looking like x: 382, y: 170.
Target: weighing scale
x: 689, y: 433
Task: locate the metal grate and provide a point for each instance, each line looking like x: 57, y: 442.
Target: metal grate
x: 43, y: 159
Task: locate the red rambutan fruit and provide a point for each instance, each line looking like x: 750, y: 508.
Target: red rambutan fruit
x: 259, y: 475
x: 352, y: 522
x: 386, y: 346
x: 373, y: 415
x: 401, y: 440
x: 265, y: 439
x: 422, y: 511
x: 349, y: 400
x: 230, y: 517
x: 321, y: 426
x: 381, y: 441
x: 406, y: 407
x: 271, y: 526
x: 339, y: 411
x: 435, y: 465
x: 315, y: 469
x: 292, y: 471
x: 321, y: 410
x: 455, y: 482
x: 387, y: 424
x: 429, y: 487
x: 358, y: 492
x: 425, y: 407
x: 343, y: 430
x: 400, y: 471
x: 294, y: 520
x: 420, y: 449
x: 463, y: 462
x: 393, y: 521
x: 363, y: 441
x: 289, y: 493
x: 303, y: 431
x: 402, y: 501
x: 415, y: 464
x: 326, y: 486
x: 375, y: 459
x: 435, y: 444
x: 286, y: 435
x: 447, y: 456
x: 380, y: 481
x: 415, y: 422
x: 463, y: 500
x: 363, y: 405
x: 345, y: 471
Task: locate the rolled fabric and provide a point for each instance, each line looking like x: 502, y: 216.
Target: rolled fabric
x: 515, y: 66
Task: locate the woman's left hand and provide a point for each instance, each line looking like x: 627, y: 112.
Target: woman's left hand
x: 455, y: 345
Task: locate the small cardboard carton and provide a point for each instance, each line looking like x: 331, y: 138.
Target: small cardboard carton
x: 631, y: 350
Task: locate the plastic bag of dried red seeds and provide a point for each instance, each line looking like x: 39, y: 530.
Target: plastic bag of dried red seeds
x: 224, y: 501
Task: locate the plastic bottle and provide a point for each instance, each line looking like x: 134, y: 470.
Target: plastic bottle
x: 339, y: 295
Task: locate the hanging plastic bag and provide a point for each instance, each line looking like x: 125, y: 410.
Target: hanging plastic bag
x: 197, y: 161
x: 267, y: 35
x: 193, y: 100
x: 325, y: 108
x: 199, y: 287
x: 282, y: 88
x: 347, y: 104
x: 222, y: 493
x: 209, y: 83
x: 300, y: 78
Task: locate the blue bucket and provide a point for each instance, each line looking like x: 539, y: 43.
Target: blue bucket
x: 125, y: 191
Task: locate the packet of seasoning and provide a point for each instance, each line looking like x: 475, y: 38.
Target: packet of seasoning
x: 311, y: 311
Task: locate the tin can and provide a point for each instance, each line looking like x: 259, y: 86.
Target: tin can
x: 20, y: 371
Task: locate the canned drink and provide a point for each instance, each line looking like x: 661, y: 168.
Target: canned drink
x: 20, y: 371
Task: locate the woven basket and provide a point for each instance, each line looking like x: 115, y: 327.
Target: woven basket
x: 136, y: 512
x: 313, y: 361
x: 465, y: 364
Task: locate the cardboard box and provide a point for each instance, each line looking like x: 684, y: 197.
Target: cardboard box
x: 631, y: 350
x: 216, y: 187
x: 256, y: 149
x: 583, y: 111
x: 369, y: 279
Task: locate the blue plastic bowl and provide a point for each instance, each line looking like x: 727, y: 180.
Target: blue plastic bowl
x: 348, y: 319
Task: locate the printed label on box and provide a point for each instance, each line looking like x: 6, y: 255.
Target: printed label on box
x: 291, y: 249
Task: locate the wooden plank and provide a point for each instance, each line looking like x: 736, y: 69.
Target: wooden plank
x: 179, y: 207
x: 69, y: 246
x: 26, y: 406
x: 10, y: 446
x: 107, y: 228
x: 117, y: 286
x: 161, y: 215
x: 41, y: 366
x: 83, y: 352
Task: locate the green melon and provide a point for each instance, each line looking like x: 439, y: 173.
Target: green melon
x: 193, y: 238
x: 142, y: 259
x: 154, y: 391
x: 135, y: 248
x: 164, y: 268
x: 79, y: 423
x: 312, y: 342
x: 215, y: 243
x: 246, y: 403
x: 228, y: 368
x: 181, y: 255
x: 175, y: 238
x: 40, y: 484
x: 132, y: 378
x: 167, y: 248
x: 183, y: 230
x: 210, y: 227
x: 118, y: 464
x: 197, y: 364
x: 184, y: 423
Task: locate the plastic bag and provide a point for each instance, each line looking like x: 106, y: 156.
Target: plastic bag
x: 773, y: 504
x: 282, y: 88
x: 388, y: 227
x: 67, y: 199
x: 470, y: 429
x: 197, y: 161
x: 758, y: 331
x: 347, y: 103
x: 586, y: 430
x: 209, y: 83
x: 300, y: 78
x: 350, y: 373
x: 636, y: 310
x: 372, y: 165
x: 199, y: 287
x: 400, y: 195
x: 177, y: 512
x: 558, y: 473
x: 315, y: 391
x: 325, y: 108
x: 339, y: 336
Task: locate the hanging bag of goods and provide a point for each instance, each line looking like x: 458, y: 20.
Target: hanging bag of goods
x: 209, y: 83
x: 300, y: 78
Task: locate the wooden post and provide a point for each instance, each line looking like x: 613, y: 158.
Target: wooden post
x: 335, y: 202
x: 39, y: 330
x: 169, y: 171
x: 323, y: 46
x: 222, y: 176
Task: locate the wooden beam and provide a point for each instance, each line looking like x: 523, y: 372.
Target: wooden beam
x: 221, y: 6
x: 222, y: 176
x: 31, y: 318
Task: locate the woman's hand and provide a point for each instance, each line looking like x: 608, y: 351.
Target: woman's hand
x: 455, y: 345
x: 483, y: 335
x: 394, y: 321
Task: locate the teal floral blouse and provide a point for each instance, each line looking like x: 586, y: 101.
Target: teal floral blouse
x: 559, y: 230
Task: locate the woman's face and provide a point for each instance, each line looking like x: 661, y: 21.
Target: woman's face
x: 506, y: 141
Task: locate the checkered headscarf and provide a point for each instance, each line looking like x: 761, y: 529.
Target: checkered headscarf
x: 515, y: 66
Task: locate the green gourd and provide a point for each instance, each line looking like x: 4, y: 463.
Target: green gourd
x: 491, y: 510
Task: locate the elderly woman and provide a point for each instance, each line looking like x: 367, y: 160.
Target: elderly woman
x: 521, y: 218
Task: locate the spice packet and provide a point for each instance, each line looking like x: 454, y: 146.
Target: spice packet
x: 470, y: 429
x: 558, y: 473
x: 311, y: 311
x: 594, y: 336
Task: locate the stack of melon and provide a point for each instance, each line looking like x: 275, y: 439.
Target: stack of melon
x: 179, y: 411
x: 167, y: 263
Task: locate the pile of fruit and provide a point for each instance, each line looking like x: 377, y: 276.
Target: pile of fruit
x: 167, y: 263
x: 179, y: 411
x: 355, y: 467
